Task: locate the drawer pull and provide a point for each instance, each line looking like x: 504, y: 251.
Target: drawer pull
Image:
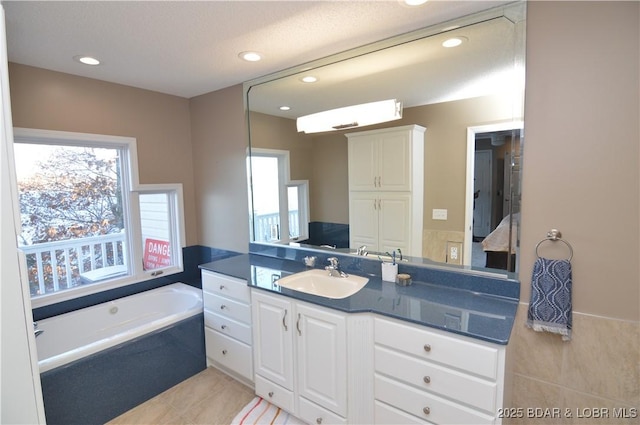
x: 319, y: 420
x: 283, y: 321
x: 270, y: 393
x: 427, y: 347
x: 223, y: 327
x: 222, y: 307
x: 298, y: 325
x: 224, y: 352
x: 426, y: 410
x: 427, y: 379
x: 221, y: 287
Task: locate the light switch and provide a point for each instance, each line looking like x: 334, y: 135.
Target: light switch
x: 439, y: 214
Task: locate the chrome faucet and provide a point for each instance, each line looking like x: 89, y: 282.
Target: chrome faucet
x: 362, y: 250
x: 334, y: 269
x: 37, y: 331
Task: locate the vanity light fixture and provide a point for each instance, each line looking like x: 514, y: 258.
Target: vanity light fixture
x: 250, y: 56
x: 453, y: 41
x: 351, y: 116
x: 87, y: 60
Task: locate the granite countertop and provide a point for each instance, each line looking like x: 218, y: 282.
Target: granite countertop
x: 471, y: 308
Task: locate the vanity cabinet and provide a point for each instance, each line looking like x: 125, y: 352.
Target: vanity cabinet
x: 300, y: 358
x: 386, y: 189
x: 426, y: 375
x: 227, y: 320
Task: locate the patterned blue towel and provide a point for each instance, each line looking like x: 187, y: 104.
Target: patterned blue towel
x: 550, y: 305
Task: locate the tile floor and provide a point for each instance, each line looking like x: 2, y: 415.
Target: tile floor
x: 210, y: 397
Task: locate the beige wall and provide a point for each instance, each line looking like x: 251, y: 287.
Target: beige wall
x: 219, y: 165
x: 581, y: 176
x: 160, y: 123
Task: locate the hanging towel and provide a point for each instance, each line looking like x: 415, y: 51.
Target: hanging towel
x: 550, y: 305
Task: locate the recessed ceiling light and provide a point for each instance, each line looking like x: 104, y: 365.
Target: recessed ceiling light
x: 250, y: 56
x: 87, y: 60
x: 285, y: 108
x: 414, y: 2
x: 309, y: 79
x: 453, y: 42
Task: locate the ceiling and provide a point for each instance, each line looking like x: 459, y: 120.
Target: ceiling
x: 189, y: 48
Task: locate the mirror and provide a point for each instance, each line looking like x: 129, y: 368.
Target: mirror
x: 470, y: 100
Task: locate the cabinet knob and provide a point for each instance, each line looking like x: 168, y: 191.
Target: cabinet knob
x: 426, y: 410
x: 319, y: 420
x: 221, y: 287
x: 222, y: 307
x: 427, y: 347
x: 223, y: 327
x: 270, y: 394
x: 427, y: 379
x: 224, y: 352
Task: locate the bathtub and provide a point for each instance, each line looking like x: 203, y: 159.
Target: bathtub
x: 100, y: 361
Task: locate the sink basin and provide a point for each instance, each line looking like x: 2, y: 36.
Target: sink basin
x: 318, y: 282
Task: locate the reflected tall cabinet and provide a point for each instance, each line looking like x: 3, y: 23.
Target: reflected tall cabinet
x: 386, y: 189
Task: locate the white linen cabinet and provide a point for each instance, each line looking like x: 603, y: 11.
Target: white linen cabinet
x: 300, y: 358
x: 386, y: 189
x: 227, y: 320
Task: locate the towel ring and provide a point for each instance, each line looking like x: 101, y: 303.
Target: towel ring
x: 554, y: 235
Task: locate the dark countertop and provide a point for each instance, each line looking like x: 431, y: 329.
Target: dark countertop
x: 481, y: 313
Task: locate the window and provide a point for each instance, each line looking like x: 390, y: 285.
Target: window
x: 86, y: 223
x: 278, y: 203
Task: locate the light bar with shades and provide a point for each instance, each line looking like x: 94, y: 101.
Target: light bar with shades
x: 351, y: 116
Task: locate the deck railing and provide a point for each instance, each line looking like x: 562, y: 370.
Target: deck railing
x: 53, y: 266
x: 264, y: 224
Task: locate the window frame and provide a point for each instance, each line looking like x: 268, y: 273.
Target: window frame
x: 284, y: 179
x: 131, y: 189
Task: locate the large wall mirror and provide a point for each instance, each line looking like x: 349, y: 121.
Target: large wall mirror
x: 469, y: 98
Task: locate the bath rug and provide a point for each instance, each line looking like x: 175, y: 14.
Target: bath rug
x: 261, y: 412
x: 550, y: 307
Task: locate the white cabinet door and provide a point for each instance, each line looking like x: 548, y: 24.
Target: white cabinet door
x: 300, y: 353
x: 272, y: 338
x: 394, y: 165
x: 363, y: 172
x: 382, y: 159
x: 322, y: 357
x: 363, y: 220
x: 394, y: 222
x: 381, y: 221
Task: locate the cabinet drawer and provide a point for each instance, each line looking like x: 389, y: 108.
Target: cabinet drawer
x: 425, y: 405
x: 226, y: 286
x: 385, y: 414
x: 230, y: 353
x: 311, y: 413
x: 274, y: 394
x: 227, y: 307
x: 229, y: 327
x: 426, y: 344
x: 428, y: 376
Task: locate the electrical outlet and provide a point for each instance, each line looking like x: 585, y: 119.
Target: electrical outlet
x: 454, y: 252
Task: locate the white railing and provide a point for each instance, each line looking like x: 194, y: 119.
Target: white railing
x: 53, y: 266
x: 264, y: 223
